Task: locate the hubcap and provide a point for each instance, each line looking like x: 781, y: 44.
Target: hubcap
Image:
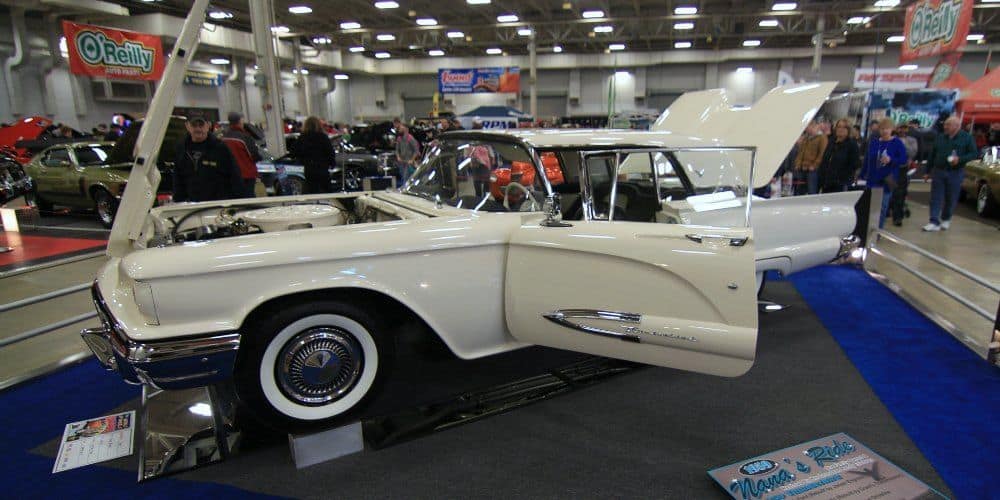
x: 104, y: 209
x: 319, y: 365
x: 981, y: 199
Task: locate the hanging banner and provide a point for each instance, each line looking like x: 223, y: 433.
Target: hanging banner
x: 479, y: 80
x: 203, y: 78
x: 891, y: 79
x: 929, y: 107
x: 946, y: 73
x: 935, y: 27
x: 110, y: 53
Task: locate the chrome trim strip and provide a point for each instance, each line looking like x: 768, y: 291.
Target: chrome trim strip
x: 561, y: 317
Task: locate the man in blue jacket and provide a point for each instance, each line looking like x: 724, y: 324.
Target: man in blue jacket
x: 948, y: 157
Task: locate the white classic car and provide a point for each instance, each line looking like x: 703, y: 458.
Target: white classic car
x: 298, y: 299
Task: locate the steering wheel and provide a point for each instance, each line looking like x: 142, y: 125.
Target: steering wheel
x: 527, y: 195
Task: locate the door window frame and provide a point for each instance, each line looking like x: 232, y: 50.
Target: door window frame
x: 65, y: 150
x: 586, y: 192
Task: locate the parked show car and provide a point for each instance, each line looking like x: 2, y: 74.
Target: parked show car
x: 982, y: 182
x: 78, y: 175
x: 298, y: 299
x: 286, y: 175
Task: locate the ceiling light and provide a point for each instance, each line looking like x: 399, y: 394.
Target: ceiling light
x: 592, y: 14
x: 744, y: 69
x: 751, y: 43
x: 896, y: 39
x: 202, y: 409
x: 382, y: 55
x: 768, y: 23
x: 356, y: 49
x: 385, y: 37
x: 303, y: 71
x: 322, y: 40
x: 524, y: 32
x: 975, y: 37
x: 350, y: 25
x: 413, y: 47
x: 427, y: 21
x: 300, y: 9
x: 557, y: 49
x: 784, y: 6
x: 683, y: 26
x: 507, y: 18
x: 455, y: 34
x: 685, y: 10
x: 340, y: 76
x: 858, y: 20
x: 682, y: 45
x: 616, y: 46
x: 218, y: 14
x: 477, y: 2
x: 436, y: 52
x: 603, y: 29
x: 219, y: 60
x: 386, y: 5
x: 493, y: 51
x: 280, y: 29
x: 886, y: 4
x: 908, y: 67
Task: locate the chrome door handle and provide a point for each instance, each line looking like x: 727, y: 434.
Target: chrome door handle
x: 733, y: 242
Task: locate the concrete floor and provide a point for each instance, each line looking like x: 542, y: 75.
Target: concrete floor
x: 970, y: 243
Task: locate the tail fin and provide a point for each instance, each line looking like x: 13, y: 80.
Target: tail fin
x: 772, y: 124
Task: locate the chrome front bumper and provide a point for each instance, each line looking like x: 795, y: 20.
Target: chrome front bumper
x: 175, y: 364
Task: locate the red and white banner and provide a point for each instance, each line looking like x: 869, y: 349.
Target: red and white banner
x: 891, y: 79
x: 935, y: 27
x: 112, y: 53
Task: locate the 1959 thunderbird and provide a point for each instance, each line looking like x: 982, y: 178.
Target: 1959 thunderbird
x: 298, y: 298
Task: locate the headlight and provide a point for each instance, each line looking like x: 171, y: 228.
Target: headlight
x: 143, y: 294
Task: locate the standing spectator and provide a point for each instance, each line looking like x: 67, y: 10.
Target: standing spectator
x: 995, y: 134
x: 114, y: 133
x: 886, y: 154
x: 205, y: 169
x: 809, y: 156
x: 898, y: 203
x: 316, y: 152
x: 841, y: 160
x: 407, y: 152
x: 235, y: 130
x: 950, y: 152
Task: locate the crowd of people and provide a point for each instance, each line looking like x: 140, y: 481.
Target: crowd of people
x: 833, y: 158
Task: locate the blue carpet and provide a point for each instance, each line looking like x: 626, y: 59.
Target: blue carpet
x: 36, y: 412
x: 945, y: 396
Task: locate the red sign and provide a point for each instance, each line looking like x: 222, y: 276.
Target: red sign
x: 111, y: 53
x: 935, y: 27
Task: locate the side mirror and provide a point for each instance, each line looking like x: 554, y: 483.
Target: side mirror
x: 552, y: 207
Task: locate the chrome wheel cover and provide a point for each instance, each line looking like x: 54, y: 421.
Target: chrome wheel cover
x: 104, y: 209
x: 319, y: 365
x: 984, y: 193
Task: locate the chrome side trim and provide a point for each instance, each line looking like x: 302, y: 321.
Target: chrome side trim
x: 562, y: 317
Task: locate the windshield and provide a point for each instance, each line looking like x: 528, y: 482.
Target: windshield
x: 479, y: 175
x: 92, y: 155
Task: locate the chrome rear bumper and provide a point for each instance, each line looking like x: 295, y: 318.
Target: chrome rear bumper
x: 176, y: 364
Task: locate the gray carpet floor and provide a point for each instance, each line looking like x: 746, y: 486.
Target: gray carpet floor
x: 652, y: 433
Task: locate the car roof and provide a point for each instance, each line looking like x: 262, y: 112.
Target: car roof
x: 596, y: 138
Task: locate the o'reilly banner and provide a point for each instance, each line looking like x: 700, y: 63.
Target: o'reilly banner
x: 479, y: 80
x: 111, y: 53
x: 935, y: 27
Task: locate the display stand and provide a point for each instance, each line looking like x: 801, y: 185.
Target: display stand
x: 191, y: 428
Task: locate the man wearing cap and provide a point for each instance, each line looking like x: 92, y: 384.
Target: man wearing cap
x: 205, y: 169
x: 236, y: 130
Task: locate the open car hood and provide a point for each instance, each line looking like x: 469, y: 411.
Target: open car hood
x: 772, y: 124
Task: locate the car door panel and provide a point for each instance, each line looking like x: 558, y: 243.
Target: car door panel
x: 650, y: 293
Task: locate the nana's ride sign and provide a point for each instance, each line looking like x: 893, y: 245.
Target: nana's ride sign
x: 115, y: 54
x: 935, y: 27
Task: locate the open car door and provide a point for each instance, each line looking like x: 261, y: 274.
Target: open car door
x: 663, y: 294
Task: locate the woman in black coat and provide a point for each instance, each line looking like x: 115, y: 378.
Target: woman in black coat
x: 314, y: 149
x: 841, y: 160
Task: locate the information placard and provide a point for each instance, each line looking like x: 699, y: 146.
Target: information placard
x: 95, y: 440
x: 833, y: 467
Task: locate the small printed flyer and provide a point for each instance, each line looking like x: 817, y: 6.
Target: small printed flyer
x: 95, y: 440
x: 833, y: 467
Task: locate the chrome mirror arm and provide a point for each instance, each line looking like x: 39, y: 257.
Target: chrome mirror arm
x: 553, y: 212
